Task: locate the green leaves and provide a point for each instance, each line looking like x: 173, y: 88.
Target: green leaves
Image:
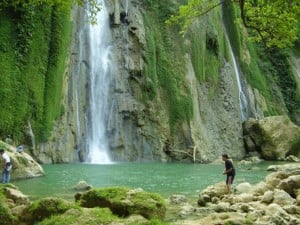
x: 274, y: 22
x: 194, y: 9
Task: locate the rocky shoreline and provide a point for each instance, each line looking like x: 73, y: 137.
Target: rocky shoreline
x: 274, y: 201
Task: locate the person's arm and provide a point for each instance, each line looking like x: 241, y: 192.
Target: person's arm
x: 227, y: 171
x: 228, y: 167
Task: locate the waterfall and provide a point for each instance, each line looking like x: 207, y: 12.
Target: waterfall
x: 101, y: 66
x: 31, y: 134
x: 242, y: 97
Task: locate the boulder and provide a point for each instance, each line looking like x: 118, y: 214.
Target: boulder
x: 282, y: 198
x: 298, y: 197
x: 274, y: 137
x: 177, y: 199
x: 245, y: 198
x: 82, y: 186
x: 186, y: 210
x: 23, y: 165
x: 124, y: 202
x: 290, y: 184
x: 244, y: 187
x: 217, y: 190
x: 17, y: 196
x: 261, y: 187
x: 268, y: 196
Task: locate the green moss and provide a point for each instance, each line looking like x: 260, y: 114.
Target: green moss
x: 124, y: 202
x: 34, y: 43
x: 165, y: 66
x: 208, y: 49
x: 146, y: 200
x: 93, y: 216
x: 8, y: 79
x: 150, y: 87
x: 60, y: 39
x: 230, y: 15
x: 46, y: 207
x: 95, y: 197
x: 6, y: 216
x: 197, y: 52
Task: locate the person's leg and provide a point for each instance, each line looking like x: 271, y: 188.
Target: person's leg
x: 3, y: 176
x: 229, y: 181
x: 8, y: 177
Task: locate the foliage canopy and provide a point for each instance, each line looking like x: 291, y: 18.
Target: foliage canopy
x: 275, y: 22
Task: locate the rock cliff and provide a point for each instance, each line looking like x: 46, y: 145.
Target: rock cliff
x: 139, y: 129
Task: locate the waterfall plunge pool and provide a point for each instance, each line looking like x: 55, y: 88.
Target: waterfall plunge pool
x: 163, y: 178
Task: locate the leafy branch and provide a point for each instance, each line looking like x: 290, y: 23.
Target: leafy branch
x: 275, y: 23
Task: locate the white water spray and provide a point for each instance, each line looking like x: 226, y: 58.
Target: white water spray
x: 101, y: 65
x: 242, y: 97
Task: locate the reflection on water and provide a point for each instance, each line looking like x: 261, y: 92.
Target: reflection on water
x: 163, y: 178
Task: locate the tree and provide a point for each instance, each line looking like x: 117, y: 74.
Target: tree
x: 275, y: 22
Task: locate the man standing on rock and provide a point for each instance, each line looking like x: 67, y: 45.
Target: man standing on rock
x: 7, y: 167
x: 229, y: 171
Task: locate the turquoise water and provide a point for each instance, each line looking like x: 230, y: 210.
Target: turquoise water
x: 163, y: 178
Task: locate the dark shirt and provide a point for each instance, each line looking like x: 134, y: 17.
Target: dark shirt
x: 229, y: 165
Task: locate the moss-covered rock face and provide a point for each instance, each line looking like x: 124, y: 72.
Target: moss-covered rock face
x: 125, y: 202
x: 12, y: 201
x: 45, y: 208
x: 6, y: 216
x: 35, y: 42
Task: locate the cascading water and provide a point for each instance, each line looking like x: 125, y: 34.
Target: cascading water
x: 242, y: 97
x: 101, y: 65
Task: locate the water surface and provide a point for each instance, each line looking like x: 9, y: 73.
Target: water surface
x: 163, y: 178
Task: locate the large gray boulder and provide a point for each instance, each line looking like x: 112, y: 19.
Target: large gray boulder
x: 274, y: 137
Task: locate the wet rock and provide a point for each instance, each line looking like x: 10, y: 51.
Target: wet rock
x: 82, y: 186
x: 177, y: 199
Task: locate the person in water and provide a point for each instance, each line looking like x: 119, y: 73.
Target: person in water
x: 229, y: 171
